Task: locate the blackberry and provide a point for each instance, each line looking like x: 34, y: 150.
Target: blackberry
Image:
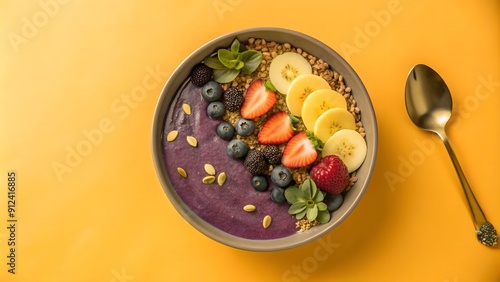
x: 233, y: 99
x: 255, y: 162
x: 272, y: 154
x: 201, y: 74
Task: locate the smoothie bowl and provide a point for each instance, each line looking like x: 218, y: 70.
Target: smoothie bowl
x: 264, y: 139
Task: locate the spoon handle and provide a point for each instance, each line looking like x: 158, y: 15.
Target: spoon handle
x: 476, y: 211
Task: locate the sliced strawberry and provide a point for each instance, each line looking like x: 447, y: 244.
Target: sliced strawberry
x: 300, y: 150
x: 276, y: 130
x: 258, y: 100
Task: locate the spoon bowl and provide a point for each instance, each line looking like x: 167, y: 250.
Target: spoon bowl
x: 432, y: 110
x: 429, y: 105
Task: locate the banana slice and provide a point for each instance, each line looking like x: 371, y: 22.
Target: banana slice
x: 300, y: 88
x: 332, y: 121
x: 285, y: 68
x: 349, y: 145
x: 319, y: 102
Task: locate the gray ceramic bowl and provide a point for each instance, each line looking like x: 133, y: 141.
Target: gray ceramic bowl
x: 313, y: 47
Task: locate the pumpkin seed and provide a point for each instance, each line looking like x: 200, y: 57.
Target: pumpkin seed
x: 249, y: 208
x: 186, y: 108
x: 182, y: 172
x: 210, y: 169
x: 222, y: 178
x: 267, y: 221
x: 208, y: 179
x: 172, y: 135
x: 192, y: 141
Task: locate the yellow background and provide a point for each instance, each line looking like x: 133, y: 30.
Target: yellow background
x: 68, y: 68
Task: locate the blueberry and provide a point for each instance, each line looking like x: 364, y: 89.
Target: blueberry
x: 211, y: 91
x: 216, y: 110
x: 278, y: 195
x: 244, y: 127
x: 335, y: 202
x: 259, y: 183
x: 225, y: 130
x: 281, y: 176
x: 237, y: 149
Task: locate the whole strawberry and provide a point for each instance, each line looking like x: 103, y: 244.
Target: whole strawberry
x: 330, y: 174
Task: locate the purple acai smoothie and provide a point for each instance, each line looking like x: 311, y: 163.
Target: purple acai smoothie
x: 221, y: 206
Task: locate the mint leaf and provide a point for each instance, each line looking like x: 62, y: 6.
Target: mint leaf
x: 312, y: 213
x: 323, y: 216
x: 293, y: 195
x: 297, y: 208
x: 239, y: 65
x: 235, y: 46
x: 230, y: 63
x: 227, y: 58
x: 314, y: 189
x: 252, y: 60
x: 233, y: 63
x: 301, y: 214
x: 213, y: 63
x: 305, y: 189
x: 225, y: 55
x: 225, y: 75
x: 322, y: 206
x: 319, y: 197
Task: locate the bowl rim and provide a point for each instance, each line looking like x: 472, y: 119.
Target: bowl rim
x: 176, y: 79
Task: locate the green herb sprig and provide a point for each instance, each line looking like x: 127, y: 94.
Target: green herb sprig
x: 307, y: 200
x: 230, y: 63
